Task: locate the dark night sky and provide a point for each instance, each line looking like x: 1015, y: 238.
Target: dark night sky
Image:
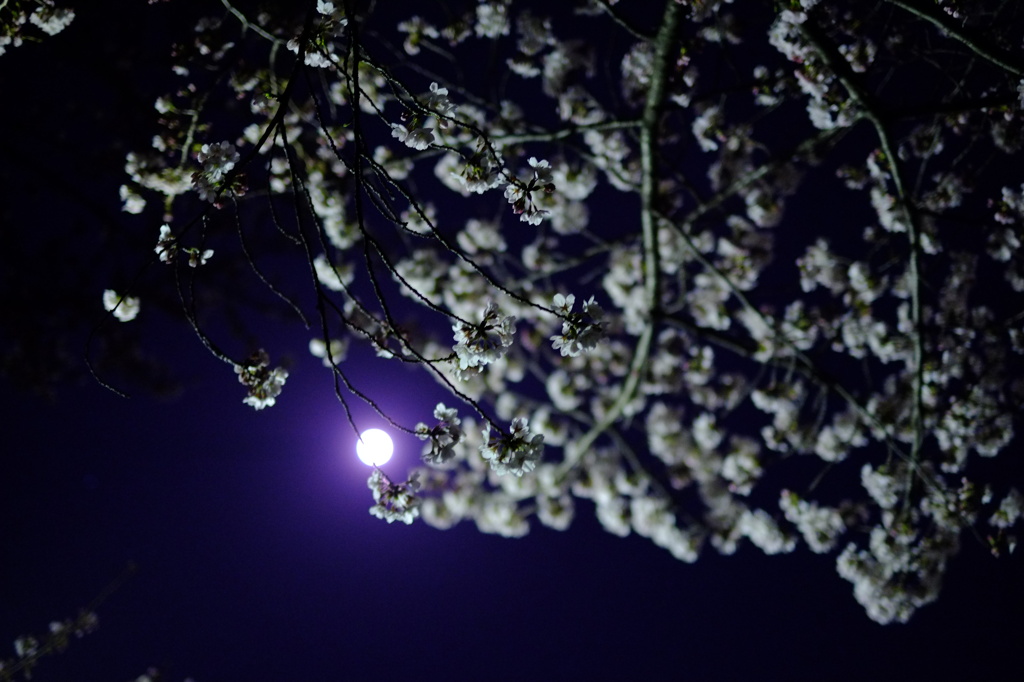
x: 258, y: 561
x: 257, y: 558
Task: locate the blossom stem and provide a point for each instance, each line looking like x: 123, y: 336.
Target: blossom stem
x: 871, y: 113
x: 249, y: 26
x: 556, y: 135
x: 950, y: 29
x: 648, y: 187
x: 618, y: 19
x: 845, y: 75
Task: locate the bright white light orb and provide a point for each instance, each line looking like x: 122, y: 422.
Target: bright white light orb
x: 374, y: 447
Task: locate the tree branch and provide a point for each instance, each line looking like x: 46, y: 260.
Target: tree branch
x: 993, y: 55
x: 648, y: 221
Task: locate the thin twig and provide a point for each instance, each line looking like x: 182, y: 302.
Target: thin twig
x: 1003, y: 61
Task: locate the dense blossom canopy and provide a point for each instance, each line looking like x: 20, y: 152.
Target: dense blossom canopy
x: 795, y: 227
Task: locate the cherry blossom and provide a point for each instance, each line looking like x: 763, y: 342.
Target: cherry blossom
x: 799, y: 266
x: 124, y: 308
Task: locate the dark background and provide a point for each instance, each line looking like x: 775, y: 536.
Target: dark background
x: 256, y: 557
x: 257, y: 560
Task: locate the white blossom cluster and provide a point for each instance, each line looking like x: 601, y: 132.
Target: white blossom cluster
x: 523, y: 194
x: 442, y: 436
x: 217, y: 160
x: 415, y: 131
x: 167, y: 249
x: 319, y: 52
x: 414, y: 135
x: 1010, y: 509
x: 263, y: 384
x: 28, y: 649
x: 825, y: 108
x: 820, y: 526
x: 124, y: 308
x: 470, y: 487
x: 416, y: 31
x: 166, y: 245
x: 581, y: 332
x: 481, y: 344
x: 797, y: 268
x: 492, y: 19
x: 330, y: 353
x: 42, y: 15
x: 516, y: 452
x: 394, y: 501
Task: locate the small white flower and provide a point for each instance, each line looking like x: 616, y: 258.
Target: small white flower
x: 263, y: 383
x: 166, y: 245
x: 417, y: 29
x: 483, y: 343
x: 563, y: 303
x: 1010, y: 510
x: 555, y: 512
x: 124, y: 308
x: 707, y: 128
x: 51, y: 20
x: 394, y: 501
x: 820, y: 526
x: 741, y: 467
x: 581, y: 332
x: 218, y: 159
x: 516, y: 452
x: 491, y: 19
x: 481, y: 173
x: 443, y: 436
x: 416, y: 137
x: 762, y: 530
x: 334, y: 277
x: 885, y: 489
x: 330, y: 354
x: 25, y: 646
x: 437, y: 101
x: 197, y: 257
x: 133, y: 202
x: 520, y: 194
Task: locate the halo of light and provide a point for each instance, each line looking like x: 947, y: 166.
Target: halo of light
x: 374, y: 447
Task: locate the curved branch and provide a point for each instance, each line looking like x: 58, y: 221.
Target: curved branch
x: 648, y: 221
x: 845, y: 75
x: 947, y: 27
